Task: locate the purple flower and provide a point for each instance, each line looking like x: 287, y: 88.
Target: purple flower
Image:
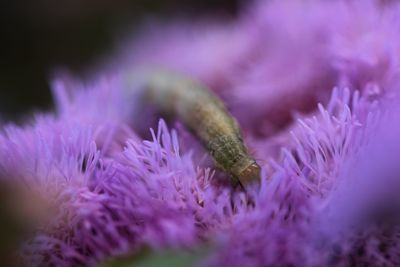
x: 330, y: 177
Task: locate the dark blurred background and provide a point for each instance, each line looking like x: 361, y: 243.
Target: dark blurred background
x: 38, y: 36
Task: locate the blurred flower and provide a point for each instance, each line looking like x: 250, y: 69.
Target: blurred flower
x: 328, y: 196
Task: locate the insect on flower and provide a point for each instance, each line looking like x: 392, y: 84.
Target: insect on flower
x: 207, y: 118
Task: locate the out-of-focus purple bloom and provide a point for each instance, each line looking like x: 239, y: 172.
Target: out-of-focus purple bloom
x: 328, y: 195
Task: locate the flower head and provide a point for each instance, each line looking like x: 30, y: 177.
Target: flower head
x: 328, y: 195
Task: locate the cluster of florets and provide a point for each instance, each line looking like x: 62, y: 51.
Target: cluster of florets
x: 328, y: 192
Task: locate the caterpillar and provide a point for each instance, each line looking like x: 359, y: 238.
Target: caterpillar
x: 204, y: 114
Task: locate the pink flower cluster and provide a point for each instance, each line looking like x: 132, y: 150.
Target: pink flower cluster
x: 330, y: 178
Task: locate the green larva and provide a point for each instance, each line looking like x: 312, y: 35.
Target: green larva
x: 206, y: 116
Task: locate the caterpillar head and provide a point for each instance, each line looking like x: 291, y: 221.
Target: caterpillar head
x: 248, y: 172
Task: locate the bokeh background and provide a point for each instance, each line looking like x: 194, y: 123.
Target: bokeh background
x: 38, y: 37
